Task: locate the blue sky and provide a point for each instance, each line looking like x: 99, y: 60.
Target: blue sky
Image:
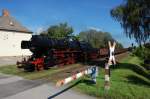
x: 80, y: 14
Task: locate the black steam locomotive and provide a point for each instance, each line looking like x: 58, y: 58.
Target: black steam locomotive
x: 48, y: 52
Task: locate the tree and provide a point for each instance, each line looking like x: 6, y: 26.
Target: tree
x: 58, y: 31
x: 97, y: 39
x: 134, y: 17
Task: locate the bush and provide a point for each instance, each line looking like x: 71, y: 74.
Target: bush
x: 142, y: 52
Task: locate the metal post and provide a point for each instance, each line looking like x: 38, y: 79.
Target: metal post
x: 111, y: 61
x: 107, y: 77
x: 94, y: 73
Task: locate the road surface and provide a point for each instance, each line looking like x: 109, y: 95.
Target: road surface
x: 14, y: 87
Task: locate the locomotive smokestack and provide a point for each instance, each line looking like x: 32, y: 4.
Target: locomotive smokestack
x: 5, y: 12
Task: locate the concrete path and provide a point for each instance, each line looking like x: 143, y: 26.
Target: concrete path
x: 47, y: 90
x: 10, y: 85
x: 13, y: 87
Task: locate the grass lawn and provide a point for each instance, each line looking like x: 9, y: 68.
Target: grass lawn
x: 13, y: 70
x: 126, y: 82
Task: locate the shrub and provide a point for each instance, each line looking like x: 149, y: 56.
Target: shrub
x: 142, y: 52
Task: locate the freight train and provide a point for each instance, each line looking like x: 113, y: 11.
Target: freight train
x: 48, y: 52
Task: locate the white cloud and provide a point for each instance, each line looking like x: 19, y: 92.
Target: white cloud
x: 95, y: 28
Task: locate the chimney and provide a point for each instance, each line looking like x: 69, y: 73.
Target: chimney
x: 5, y: 12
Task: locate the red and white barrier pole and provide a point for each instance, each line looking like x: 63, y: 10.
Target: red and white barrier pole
x: 111, y: 61
x: 91, y: 70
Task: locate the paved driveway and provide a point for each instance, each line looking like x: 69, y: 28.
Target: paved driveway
x: 14, y: 87
x: 10, y: 85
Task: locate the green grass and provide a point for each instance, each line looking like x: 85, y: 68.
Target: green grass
x: 126, y: 82
x: 132, y: 59
x: 13, y: 70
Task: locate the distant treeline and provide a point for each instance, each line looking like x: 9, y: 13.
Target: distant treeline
x: 97, y: 39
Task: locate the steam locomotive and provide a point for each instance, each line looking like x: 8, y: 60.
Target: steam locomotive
x: 48, y: 52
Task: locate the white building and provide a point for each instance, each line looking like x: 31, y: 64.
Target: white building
x: 11, y: 35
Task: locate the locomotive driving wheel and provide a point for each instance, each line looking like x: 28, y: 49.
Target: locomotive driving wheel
x: 29, y: 67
